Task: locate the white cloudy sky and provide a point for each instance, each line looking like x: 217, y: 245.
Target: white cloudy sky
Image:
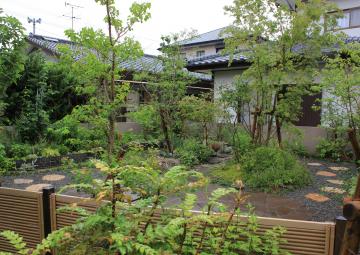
x: 167, y: 16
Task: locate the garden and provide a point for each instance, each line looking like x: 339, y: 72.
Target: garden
x: 228, y: 155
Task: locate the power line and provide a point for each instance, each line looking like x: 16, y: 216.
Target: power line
x: 72, y: 17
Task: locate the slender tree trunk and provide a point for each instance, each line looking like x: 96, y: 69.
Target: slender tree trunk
x: 165, y: 130
x: 352, y: 134
x: 111, y: 129
x: 278, y: 131
x: 206, y: 135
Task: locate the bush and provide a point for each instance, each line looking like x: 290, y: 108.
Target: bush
x: 241, y: 144
x: 269, y: 168
x: 6, y: 164
x: 20, y: 150
x: 333, y: 149
x: 193, y: 152
x: 50, y: 152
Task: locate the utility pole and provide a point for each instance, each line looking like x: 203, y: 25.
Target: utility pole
x: 72, y: 17
x: 34, y: 21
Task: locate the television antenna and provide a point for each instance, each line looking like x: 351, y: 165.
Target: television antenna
x: 72, y: 17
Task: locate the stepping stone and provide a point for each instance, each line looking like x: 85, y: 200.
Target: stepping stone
x: 338, y: 168
x: 333, y: 190
x: 317, y: 197
x: 326, y: 173
x: 314, y: 164
x: 53, y: 177
x: 23, y: 181
x: 337, y: 182
x: 37, y: 187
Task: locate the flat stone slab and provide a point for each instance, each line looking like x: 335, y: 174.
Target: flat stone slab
x: 314, y: 164
x: 317, y: 197
x: 53, y: 177
x: 338, y: 168
x: 37, y: 187
x: 333, y: 190
x: 23, y: 181
x: 337, y: 182
x: 326, y: 173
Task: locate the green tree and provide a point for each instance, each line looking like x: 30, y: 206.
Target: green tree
x: 340, y: 81
x: 168, y: 87
x: 11, y: 53
x: 202, y: 110
x: 284, y: 48
x: 95, y: 59
x: 31, y: 116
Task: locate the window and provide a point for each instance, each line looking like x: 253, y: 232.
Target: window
x: 200, y: 53
x: 219, y: 49
x: 350, y: 19
x: 183, y: 55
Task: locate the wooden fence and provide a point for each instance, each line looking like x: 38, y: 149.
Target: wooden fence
x: 22, y: 212
x: 34, y: 214
x: 304, y: 237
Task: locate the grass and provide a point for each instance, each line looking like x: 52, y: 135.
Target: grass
x: 226, y: 174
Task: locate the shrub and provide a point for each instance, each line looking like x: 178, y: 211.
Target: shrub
x: 6, y: 164
x: 147, y: 117
x: 193, y: 152
x: 20, y: 150
x: 333, y: 149
x: 50, y: 152
x: 241, y: 144
x: 269, y: 168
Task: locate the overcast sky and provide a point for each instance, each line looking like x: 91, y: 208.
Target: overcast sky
x: 168, y: 16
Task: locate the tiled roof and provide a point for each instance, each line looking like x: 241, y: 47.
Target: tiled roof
x: 146, y: 62
x: 213, y: 35
x: 216, y: 59
x: 238, y: 58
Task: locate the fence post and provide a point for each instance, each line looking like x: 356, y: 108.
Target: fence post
x: 340, y: 223
x: 46, y: 209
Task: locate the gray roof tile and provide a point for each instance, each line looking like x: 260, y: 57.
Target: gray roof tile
x: 213, y: 35
x: 145, y: 63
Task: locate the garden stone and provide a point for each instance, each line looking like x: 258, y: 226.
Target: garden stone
x: 333, y: 190
x: 23, y: 181
x: 337, y: 182
x: 317, y: 197
x: 37, y: 187
x: 325, y: 173
x: 53, y: 177
x: 314, y: 164
x: 338, y: 168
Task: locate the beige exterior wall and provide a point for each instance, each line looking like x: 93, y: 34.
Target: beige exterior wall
x: 190, y: 52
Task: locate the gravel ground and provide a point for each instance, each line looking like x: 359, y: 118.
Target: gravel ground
x: 329, y: 210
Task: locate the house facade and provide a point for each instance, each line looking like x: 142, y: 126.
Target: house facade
x: 218, y: 65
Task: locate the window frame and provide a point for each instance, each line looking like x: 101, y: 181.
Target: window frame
x: 348, y: 10
x: 203, y: 53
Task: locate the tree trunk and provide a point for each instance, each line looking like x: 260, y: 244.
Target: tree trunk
x: 205, y: 134
x: 165, y: 130
x: 278, y: 131
x: 111, y: 135
x: 354, y: 143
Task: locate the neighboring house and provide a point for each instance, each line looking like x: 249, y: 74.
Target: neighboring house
x: 223, y: 74
x: 49, y: 47
x: 203, y: 45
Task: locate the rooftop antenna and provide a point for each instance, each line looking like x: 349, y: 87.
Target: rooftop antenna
x: 72, y: 17
x: 34, y: 21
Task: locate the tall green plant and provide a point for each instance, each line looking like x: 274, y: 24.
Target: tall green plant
x: 12, y: 46
x: 340, y: 79
x: 168, y: 87
x: 283, y: 48
x: 95, y: 60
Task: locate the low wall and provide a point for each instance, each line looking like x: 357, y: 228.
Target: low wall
x: 311, y: 137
